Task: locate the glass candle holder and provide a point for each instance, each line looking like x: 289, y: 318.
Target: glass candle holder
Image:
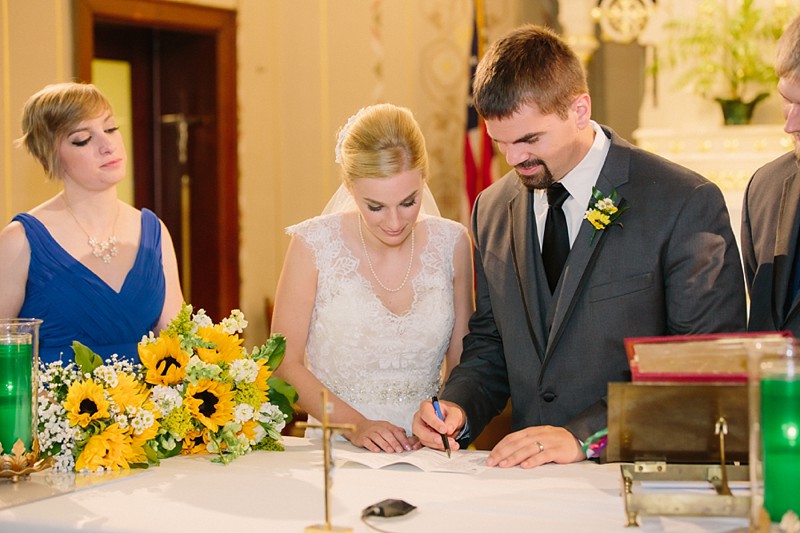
x: 774, y: 405
x: 19, y: 361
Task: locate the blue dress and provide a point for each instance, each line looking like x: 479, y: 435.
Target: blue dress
x: 75, y: 304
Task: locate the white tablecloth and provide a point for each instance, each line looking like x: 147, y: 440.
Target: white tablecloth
x: 283, y: 492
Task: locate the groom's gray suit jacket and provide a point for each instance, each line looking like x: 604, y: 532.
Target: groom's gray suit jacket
x: 673, y: 268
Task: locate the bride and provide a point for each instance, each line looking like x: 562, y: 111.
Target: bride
x: 375, y: 294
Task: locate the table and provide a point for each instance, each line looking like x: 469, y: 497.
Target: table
x: 283, y: 492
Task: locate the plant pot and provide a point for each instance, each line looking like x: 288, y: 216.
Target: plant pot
x: 736, y: 111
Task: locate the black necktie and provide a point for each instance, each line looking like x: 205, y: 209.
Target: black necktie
x: 555, y: 245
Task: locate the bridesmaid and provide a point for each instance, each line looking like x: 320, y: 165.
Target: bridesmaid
x: 93, y: 268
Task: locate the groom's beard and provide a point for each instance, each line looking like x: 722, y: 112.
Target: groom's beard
x: 541, y: 180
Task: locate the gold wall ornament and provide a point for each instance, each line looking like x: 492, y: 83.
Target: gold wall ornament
x: 328, y: 430
x: 622, y: 21
x: 578, y: 25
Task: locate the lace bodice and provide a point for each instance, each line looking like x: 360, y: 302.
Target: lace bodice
x: 381, y: 363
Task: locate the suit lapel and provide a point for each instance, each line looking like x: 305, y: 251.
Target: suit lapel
x: 585, y: 250
x: 523, y: 250
x: 785, y: 245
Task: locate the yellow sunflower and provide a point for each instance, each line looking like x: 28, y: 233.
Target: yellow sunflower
x: 85, y: 402
x: 210, y: 402
x: 164, y: 360
x: 195, y: 442
x: 129, y: 392
x: 253, y: 431
x: 227, y: 347
x: 264, y: 373
x: 110, y: 449
x: 139, y: 441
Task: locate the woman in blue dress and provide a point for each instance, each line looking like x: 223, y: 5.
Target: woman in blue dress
x: 93, y: 268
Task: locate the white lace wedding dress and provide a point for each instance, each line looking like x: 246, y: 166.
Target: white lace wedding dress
x: 380, y: 363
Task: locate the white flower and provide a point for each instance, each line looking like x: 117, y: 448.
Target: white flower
x: 64, y: 462
x: 258, y: 434
x: 606, y: 204
x: 243, y: 413
x: 244, y: 370
x: 142, y: 421
x: 107, y: 375
x: 166, y: 398
x: 55, y: 430
x: 121, y: 420
x: 234, y: 323
x: 201, y: 319
x: 149, y: 338
x: 272, y: 416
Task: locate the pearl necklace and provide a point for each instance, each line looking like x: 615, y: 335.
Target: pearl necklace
x: 104, y: 250
x: 372, y: 269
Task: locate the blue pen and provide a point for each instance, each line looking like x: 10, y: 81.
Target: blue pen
x: 438, y: 410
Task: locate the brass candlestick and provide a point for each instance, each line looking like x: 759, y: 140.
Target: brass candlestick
x: 19, y: 464
x: 327, y: 432
x: 19, y: 361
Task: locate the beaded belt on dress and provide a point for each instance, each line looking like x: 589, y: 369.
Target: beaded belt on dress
x: 384, y: 391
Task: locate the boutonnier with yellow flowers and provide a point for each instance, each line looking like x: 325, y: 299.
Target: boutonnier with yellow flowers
x: 603, y: 211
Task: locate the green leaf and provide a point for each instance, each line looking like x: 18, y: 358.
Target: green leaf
x: 166, y: 454
x: 273, y: 351
x: 85, y: 358
x: 152, y: 455
x: 282, y: 395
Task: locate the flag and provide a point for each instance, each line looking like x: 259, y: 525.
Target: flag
x: 478, y: 149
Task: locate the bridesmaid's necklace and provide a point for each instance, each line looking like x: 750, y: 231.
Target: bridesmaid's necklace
x: 104, y: 250
x: 369, y: 262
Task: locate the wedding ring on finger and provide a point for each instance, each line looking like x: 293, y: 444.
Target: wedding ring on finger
x: 540, y: 445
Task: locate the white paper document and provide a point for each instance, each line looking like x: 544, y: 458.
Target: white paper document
x: 426, y: 459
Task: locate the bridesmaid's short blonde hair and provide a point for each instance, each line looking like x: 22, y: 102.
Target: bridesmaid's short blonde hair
x: 49, y: 116
x: 381, y: 141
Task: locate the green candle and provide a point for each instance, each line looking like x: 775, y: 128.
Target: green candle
x: 780, y: 424
x: 16, y: 401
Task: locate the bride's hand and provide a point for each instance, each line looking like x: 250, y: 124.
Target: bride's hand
x: 379, y: 435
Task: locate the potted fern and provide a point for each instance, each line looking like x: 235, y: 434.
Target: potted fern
x: 726, y: 53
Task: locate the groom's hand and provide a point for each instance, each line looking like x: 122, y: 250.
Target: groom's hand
x: 428, y: 427
x: 535, y: 446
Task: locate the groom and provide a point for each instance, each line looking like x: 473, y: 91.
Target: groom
x: 664, y: 263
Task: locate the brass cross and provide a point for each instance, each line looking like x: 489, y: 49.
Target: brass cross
x: 327, y: 432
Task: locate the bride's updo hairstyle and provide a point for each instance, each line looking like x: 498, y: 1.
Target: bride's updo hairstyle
x: 49, y: 116
x: 381, y: 141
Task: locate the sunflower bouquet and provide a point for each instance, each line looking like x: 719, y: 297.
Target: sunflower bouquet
x: 197, y: 390
x: 213, y: 395
x: 95, y: 415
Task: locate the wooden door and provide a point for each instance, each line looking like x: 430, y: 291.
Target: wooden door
x: 183, y: 84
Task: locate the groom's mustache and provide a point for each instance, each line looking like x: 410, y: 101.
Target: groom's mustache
x: 530, y: 163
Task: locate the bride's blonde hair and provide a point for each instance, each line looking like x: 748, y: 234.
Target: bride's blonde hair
x: 381, y: 141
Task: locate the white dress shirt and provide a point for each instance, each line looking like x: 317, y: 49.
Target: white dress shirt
x: 579, y: 182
